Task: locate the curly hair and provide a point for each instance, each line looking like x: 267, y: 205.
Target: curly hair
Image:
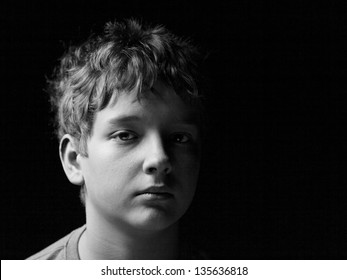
x: 127, y: 56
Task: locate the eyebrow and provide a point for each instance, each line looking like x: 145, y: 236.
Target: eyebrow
x: 190, y: 121
x: 124, y: 119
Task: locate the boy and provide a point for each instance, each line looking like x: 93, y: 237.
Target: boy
x: 129, y: 121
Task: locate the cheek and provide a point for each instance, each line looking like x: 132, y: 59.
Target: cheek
x: 188, y: 158
x: 107, y: 172
x: 188, y: 167
x: 104, y: 185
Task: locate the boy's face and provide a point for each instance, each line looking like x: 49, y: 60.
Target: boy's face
x: 143, y: 160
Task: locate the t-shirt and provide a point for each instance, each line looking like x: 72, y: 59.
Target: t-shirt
x: 67, y: 249
x: 63, y: 249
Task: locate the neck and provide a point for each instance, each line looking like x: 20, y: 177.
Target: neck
x: 105, y: 240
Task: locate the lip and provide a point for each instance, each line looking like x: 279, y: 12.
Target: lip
x: 156, y: 193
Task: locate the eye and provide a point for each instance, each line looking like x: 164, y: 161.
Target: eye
x: 124, y: 136
x: 181, y: 138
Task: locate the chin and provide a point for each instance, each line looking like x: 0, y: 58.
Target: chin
x: 155, y: 221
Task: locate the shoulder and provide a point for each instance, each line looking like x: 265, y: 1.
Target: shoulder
x: 65, y: 248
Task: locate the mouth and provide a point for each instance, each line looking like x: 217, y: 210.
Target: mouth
x: 156, y: 196
x: 156, y: 193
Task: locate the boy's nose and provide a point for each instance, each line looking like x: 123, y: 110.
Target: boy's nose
x: 157, y: 161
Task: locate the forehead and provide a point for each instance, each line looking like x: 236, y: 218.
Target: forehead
x: 159, y: 104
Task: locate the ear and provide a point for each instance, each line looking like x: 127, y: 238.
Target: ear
x: 69, y: 157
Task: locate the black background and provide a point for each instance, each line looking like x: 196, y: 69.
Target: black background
x: 272, y: 177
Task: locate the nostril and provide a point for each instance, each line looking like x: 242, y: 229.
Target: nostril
x: 167, y: 170
x: 152, y: 170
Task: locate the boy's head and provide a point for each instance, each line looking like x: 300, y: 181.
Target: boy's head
x: 126, y: 57
x: 128, y: 117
